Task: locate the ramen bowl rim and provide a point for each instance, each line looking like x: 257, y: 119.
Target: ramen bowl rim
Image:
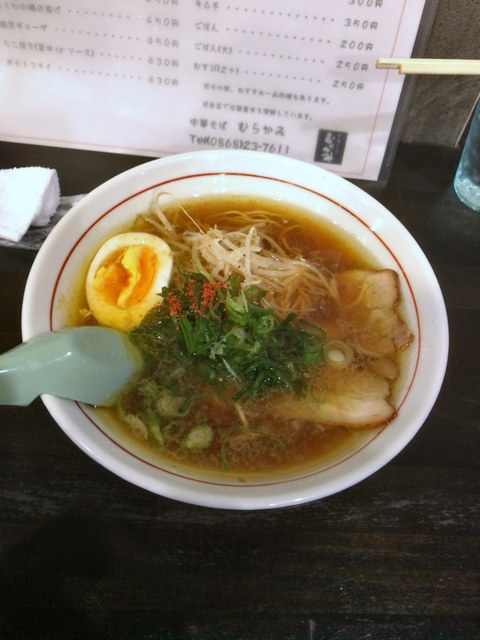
x: 74, y: 419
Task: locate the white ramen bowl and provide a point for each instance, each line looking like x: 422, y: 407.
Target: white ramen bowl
x: 64, y: 254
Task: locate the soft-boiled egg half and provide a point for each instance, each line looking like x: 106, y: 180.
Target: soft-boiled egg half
x: 125, y: 278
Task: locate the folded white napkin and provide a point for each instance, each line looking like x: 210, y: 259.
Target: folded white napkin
x: 28, y: 196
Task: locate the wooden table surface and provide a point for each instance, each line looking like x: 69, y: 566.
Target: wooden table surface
x: 84, y: 554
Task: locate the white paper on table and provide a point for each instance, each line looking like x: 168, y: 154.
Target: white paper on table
x: 155, y: 77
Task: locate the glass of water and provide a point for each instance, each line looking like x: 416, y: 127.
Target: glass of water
x: 467, y: 178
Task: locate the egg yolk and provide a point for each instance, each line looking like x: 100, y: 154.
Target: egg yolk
x: 127, y: 276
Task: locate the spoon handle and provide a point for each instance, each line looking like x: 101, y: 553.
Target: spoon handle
x: 88, y: 364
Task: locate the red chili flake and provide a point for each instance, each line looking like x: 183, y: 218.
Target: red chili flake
x: 209, y: 292
x: 191, y: 294
x: 174, y: 305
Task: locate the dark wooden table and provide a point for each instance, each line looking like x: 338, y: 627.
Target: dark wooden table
x: 86, y: 555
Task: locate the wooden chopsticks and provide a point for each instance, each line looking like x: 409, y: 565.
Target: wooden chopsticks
x: 430, y: 66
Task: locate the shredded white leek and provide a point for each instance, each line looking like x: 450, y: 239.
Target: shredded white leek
x: 246, y: 252
x: 259, y: 253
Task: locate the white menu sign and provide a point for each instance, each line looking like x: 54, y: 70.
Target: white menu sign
x: 154, y: 77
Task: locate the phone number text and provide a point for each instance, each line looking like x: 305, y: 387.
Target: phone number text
x: 219, y: 142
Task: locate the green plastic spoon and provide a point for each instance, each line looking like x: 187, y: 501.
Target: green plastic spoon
x: 88, y: 364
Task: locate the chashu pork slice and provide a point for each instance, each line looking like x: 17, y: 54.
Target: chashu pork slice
x: 354, y: 398
x: 358, y: 396
x: 369, y: 312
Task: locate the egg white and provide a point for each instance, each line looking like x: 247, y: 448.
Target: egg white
x: 123, y: 313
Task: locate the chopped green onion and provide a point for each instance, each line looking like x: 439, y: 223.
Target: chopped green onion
x: 170, y: 405
x: 156, y: 433
x: 187, y: 332
x: 265, y: 325
x: 237, y: 309
x: 311, y: 355
x: 199, y: 437
x: 221, y: 333
x: 337, y: 354
x: 235, y: 338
